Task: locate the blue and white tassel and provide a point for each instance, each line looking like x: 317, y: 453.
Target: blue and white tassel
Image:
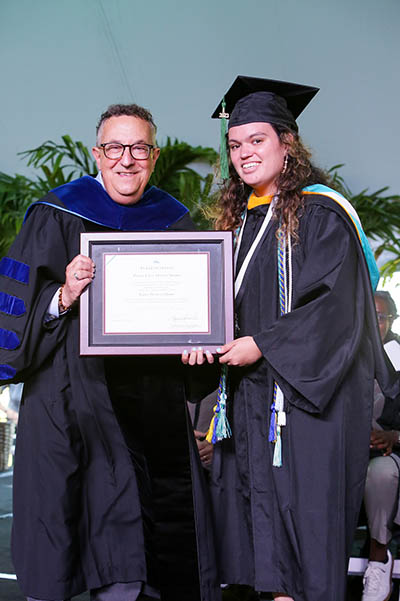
x: 278, y: 414
x: 219, y: 426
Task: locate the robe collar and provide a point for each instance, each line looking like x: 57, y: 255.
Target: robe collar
x: 86, y: 198
x: 256, y: 201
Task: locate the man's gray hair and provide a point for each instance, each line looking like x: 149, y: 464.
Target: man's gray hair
x: 130, y: 110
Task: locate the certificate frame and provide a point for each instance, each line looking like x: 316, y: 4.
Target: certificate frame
x: 207, y: 254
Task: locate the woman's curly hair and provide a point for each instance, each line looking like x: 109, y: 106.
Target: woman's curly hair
x: 299, y: 172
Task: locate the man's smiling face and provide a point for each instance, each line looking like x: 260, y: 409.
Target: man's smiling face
x: 125, y: 178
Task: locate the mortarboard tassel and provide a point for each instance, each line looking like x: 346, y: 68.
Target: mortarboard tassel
x: 223, y: 155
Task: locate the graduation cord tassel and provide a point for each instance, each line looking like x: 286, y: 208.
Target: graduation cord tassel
x: 280, y: 420
x: 277, y: 460
x: 278, y: 414
x: 223, y: 155
x: 219, y: 426
x: 273, y: 421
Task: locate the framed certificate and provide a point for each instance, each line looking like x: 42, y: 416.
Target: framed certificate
x: 157, y: 293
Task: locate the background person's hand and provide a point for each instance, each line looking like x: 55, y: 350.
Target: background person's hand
x: 205, y: 448
x: 384, y: 440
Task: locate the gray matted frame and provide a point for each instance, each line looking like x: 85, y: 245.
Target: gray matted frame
x: 218, y: 246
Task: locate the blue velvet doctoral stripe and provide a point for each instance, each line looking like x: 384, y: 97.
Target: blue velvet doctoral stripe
x: 14, y: 269
x: 8, y: 340
x: 86, y: 197
x: 12, y: 305
x: 7, y: 372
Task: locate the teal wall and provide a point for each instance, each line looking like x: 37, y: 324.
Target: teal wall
x: 63, y: 62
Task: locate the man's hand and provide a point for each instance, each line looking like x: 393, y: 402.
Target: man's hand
x: 205, y: 448
x: 78, y: 274
x: 384, y: 440
x: 240, y: 352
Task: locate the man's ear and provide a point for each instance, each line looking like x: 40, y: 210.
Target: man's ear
x: 156, y: 154
x: 97, y: 156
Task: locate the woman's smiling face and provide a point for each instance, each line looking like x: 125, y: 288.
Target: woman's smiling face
x: 257, y: 155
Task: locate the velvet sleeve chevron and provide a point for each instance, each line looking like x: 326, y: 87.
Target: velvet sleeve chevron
x: 29, y: 277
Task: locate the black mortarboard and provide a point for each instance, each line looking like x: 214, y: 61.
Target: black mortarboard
x: 254, y: 99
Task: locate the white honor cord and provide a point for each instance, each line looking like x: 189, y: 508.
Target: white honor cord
x: 253, y: 247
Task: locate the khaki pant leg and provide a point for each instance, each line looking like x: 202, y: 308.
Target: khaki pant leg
x: 381, y: 497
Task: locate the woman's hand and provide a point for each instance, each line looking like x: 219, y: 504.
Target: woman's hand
x: 78, y: 274
x: 196, y: 356
x: 384, y: 440
x: 240, y: 352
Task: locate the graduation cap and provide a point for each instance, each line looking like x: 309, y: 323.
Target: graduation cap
x: 255, y: 99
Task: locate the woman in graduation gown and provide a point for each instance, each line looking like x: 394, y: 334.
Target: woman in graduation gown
x: 288, y: 484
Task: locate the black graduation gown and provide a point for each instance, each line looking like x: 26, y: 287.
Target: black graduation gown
x: 108, y: 485
x: 289, y: 529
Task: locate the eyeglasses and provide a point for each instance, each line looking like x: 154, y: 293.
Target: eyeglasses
x: 384, y: 317
x: 114, y: 150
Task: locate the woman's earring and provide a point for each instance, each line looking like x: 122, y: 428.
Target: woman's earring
x: 285, y: 162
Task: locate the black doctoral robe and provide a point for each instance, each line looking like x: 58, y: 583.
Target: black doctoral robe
x: 107, y: 480
x: 289, y: 529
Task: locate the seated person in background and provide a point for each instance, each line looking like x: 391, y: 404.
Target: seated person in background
x: 15, y: 401
x: 201, y: 415
x: 10, y: 398
x: 382, y: 484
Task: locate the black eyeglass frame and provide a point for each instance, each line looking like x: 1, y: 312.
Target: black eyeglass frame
x: 385, y: 316
x: 130, y: 146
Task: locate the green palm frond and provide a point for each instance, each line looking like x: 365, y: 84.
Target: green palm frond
x: 379, y: 212
x: 197, y: 195
x: 61, y: 162
x: 175, y: 173
x: 173, y: 166
x: 389, y: 268
x: 15, y: 197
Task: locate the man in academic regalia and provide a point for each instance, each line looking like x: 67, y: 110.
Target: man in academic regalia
x: 108, y: 491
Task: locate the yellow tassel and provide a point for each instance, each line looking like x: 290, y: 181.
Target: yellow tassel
x: 211, y: 427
